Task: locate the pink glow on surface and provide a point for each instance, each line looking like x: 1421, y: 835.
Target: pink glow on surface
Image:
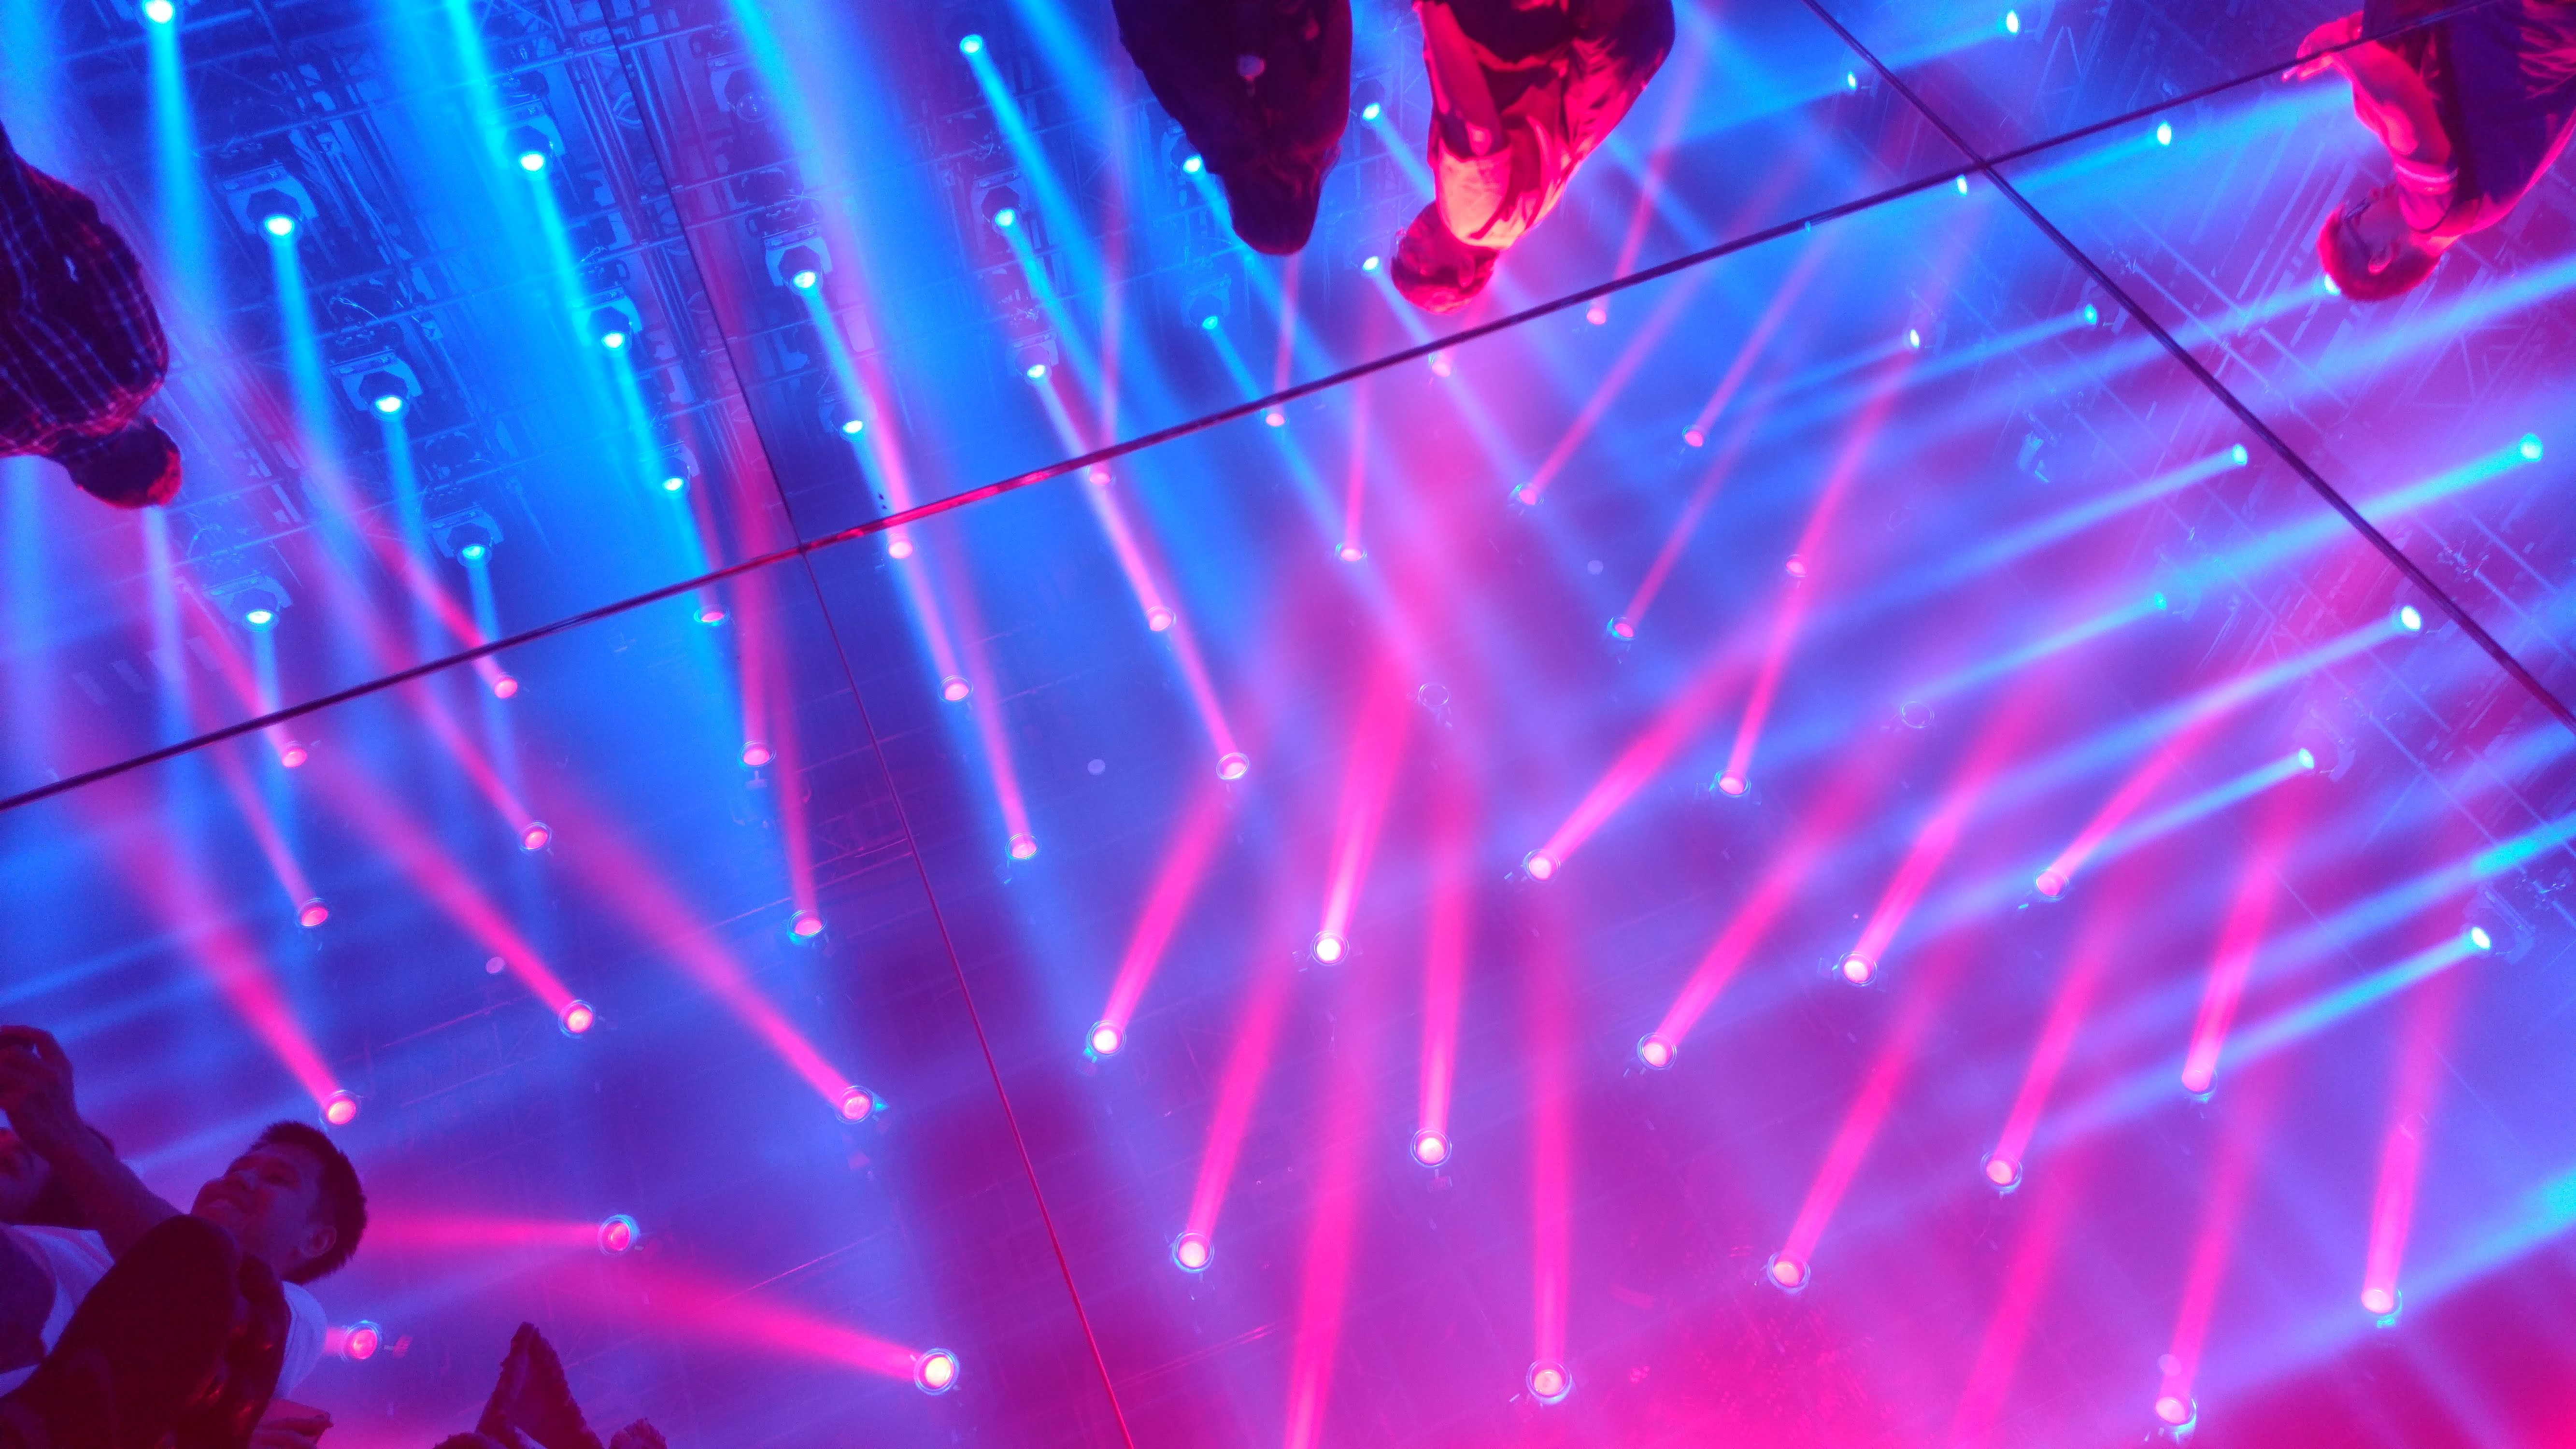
x: 1247, y: 1062
x: 1176, y: 881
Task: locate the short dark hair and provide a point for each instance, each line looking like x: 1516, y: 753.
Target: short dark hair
x: 1434, y: 269
x: 340, y: 1199
x: 2347, y: 262
x: 134, y: 467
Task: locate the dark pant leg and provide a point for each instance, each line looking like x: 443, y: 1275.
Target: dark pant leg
x: 152, y: 1348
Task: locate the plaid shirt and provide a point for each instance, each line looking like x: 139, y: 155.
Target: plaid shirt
x: 81, y: 349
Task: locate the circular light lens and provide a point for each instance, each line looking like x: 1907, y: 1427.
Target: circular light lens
x: 1549, y: 1383
x: 278, y: 224
x: 312, y: 914
x: 1430, y: 1148
x: 1539, y: 865
x: 857, y: 1104
x: 1329, y: 947
x: 578, y: 1018
x: 1654, y: 1051
x: 340, y: 1109
x: 805, y: 926
x: 618, y: 1233
x: 534, y: 835
x: 936, y: 1373
x: 1192, y: 1252
x: 1105, y: 1039
x: 532, y: 160
x: 1024, y: 847
x: 953, y: 689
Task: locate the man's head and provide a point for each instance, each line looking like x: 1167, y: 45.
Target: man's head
x: 2370, y: 253
x: 136, y: 466
x: 1434, y: 270
x: 292, y: 1201
x: 1273, y: 200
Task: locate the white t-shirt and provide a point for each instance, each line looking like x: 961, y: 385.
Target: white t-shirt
x: 76, y: 1260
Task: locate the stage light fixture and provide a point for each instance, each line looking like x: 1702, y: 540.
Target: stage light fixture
x: 2003, y: 1173
x: 2012, y: 22
x: 755, y: 754
x: 532, y: 146
x: 898, y: 546
x: 1730, y: 784
x: 2164, y: 133
x: 1370, y: 262
x: 1795, y: 566
x: 2092, y: 315
x: 2480, y: 939
x: 1329, y: 947
x: 1549, y: 1383
x: 1857, y: 969
x: 2529, y: 447
x: 1194, y: 163
x: 1158, y: 618
x: 935, y: 1372
x: 2410, y: 619
x: 578, y: 1018
x: 1233, y: 765
x: 618, y: 1233
x: 2380, y: 1302
x: 505, y: 687
x: 1914, y: 335
x: 1001, y: 207
x: 711, y: 614
x: 858, y: 1104
x: 1539, y: 865
x: 953, y: 689
x: 534, y: 835
x: 1654, y: 1051
x: 1851, y: 80
x: 293, y: 756
x: 312, y: 913
x: 1621, y: 630
x: 2174, y: 1409
x: 1430, y: 1148
x: 1786, y: 1273
x: 473, y: 552
x: 805, y: 925
x: 358, y: 1342
x: 340, y: 1108
x: 278, y: 224
x: 970, y: 44
x: 1275, y: 418
x: 1024, y: 846
x: 1104, y: 1041
x: 1694, y: 437
x: 1350, y: 553
x: 1192, y: 1252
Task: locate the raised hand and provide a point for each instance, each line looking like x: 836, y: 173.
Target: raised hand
x: 2321, y: 52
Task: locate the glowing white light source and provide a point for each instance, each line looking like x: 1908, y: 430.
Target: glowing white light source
x: 1914, y: 337
x: 358, y: 1342
x: 1034, y: 372
x: 1851, y: 80
x: 1006, y: 217
x: 160, y: 12
x: 612, y: 340
x: 278, y: 224
x: 2092, y: 315
x: 389, y: 404
x: 293, y: 756
x: 504, y: 687
x: 2380, y: 1301
x: 1440, y: 364
x: 2050, y: 884
x: 2164, y: 133
x: 2306, y: 759
x: 852, y: 428
x: 1350, y: 553
x: 2012, y: 22
x: 674, y: 483
x: 532, y: 161
x: 970, y: 44
x: 472, y: 552
x: 1105, y: 1039
x: 1194, y: 163
x: 1654, y: 1051
x: 1329, y: 947
x: 898, y: 547
x: 1730, y: 784
x: 1539, y: 864
x: 1961, y: 184
x: 1158, y: 618
x: 578, y: 1017
x: 1233, y: 765
x: 936, y: 1373
x: 1857, y: 969
x: 1549, y: 1383
x: 2331, y: 289
x: 805, y: 925
x: 1694, y: 437
x: 755, y: 754
x: 2410, y: 618
x: 2238, y: 456
x: 618, y: 1233
x: 1597, y: 314
x: 1372, y: 111
x: 1208, y: 322
x: 857, y: 1104
x: 804, y: 279
x: 1620, y: 628
x: 340, y: 1109
x: 1192, y: 1252
x: 1024, y: 846
x: 953, y: 689
x: 2529, y: 447
x: 2173, y: 1408
x: 1786, y: 1273
x: 534, y: 835
x: 1370, y: 262
x: 260, y: 618
x: 311, y: 914
x: 1430, y: 1147
x: 2479, y: 940
x: 2003, y: 1172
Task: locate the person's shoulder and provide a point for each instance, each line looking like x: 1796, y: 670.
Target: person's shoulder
x: 300, y: 1302
x: 70, y: 1242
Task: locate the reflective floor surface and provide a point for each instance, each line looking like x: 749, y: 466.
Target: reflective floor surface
x: 1832, y: 845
